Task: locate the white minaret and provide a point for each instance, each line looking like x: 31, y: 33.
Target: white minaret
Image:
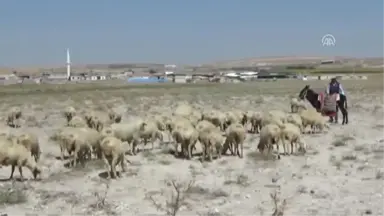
x: 68, y: 64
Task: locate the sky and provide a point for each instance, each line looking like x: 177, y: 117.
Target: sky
x: 184, y: 31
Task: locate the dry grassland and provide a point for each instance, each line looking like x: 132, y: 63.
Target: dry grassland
x: 341, y: 174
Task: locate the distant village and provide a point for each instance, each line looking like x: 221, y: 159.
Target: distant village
x: 158, y: 73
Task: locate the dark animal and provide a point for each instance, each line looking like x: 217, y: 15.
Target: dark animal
x: 313, y: 98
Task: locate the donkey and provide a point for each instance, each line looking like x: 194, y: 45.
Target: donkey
x: 313, y: 98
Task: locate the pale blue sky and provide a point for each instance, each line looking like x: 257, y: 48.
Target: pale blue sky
x: 184, y: 31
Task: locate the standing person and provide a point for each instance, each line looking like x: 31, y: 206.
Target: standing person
x: 334, y: 87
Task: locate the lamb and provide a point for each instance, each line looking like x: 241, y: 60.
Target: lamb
x: 31, y: 143
x: 209, y: 138
x: 17, y: 155
x: 69, y: 112
x: 269, y: 135
x: 187, y: 136
x: 112, y: 153
x: 13, y: 116
x: 282, y: 116
x: 292, y: 134
x: 77, y: 121
x: 296, y: 120
x: 235, y: 136
x: 297, y: 105
x: 256, y: 120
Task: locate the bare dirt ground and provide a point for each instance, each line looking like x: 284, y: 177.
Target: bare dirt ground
x: 341, y: 174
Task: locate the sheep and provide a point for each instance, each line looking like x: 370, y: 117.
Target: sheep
x: 255, y: 119
x: 69, y: 112
x: 297, y: 105
x: 30, y: 142
x: 205, y: 126
x: 112, y: 152
x: 217, y: 118
x: 114, y: 116
x: 235, y: 136
x: 314, y: 119
x: 233, y: 117
x: 129, y: 132
x: 282, y: 116
x: 296, y: 120
x: 98, y: 120
x: 77, y: 121
x: 79, y: 144
x: 14, y: 115
x: 209, y: 138
x: 17, y: 155
x: 183, y: 110
x: 150, y: 131
x: 269, y: 135
x: 187, y: 136
x: 75, y: 140
x: 271, y: 119
x: 292, y: 134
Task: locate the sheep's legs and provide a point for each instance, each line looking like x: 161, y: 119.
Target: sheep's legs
x: 113, y: 166
x: 107, y: 164
x: 12, y: 171
x: 204, y: 152
x: 122, y: 163
x: 241, y: 150
x: 21, y: 173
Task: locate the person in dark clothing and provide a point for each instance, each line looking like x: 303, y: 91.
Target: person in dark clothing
x: 335, y: 87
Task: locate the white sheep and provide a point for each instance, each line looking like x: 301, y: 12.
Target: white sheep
x: 235, y: 137
x: 187, y: 136
x: 30, y: 142
x: 314, y: 119
x: 205, y: 125
x: 295, y: 119
x: 297, y: 105
x: 98, y: 120
x: 69, y: 112
x: 290, y: 133
x: 209, y: 138
x: 150, y: 131
x: 216, y: 117
x: 256, y: 119
x: 183, y: 110
x: 269, y: 135
x: 77, y: 121
x: 14, y: 115
x: 17, y: 155
x: 271, y: 119
x: 128, y: 132
x: 74, y: 140
x: 112, y: 152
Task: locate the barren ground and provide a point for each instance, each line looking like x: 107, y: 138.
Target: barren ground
x: 341, y: 174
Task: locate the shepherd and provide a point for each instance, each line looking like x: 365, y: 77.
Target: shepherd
x: 336, y: 92
x: 323, y: 101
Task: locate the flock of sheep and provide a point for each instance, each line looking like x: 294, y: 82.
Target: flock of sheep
x: 102, y: 135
